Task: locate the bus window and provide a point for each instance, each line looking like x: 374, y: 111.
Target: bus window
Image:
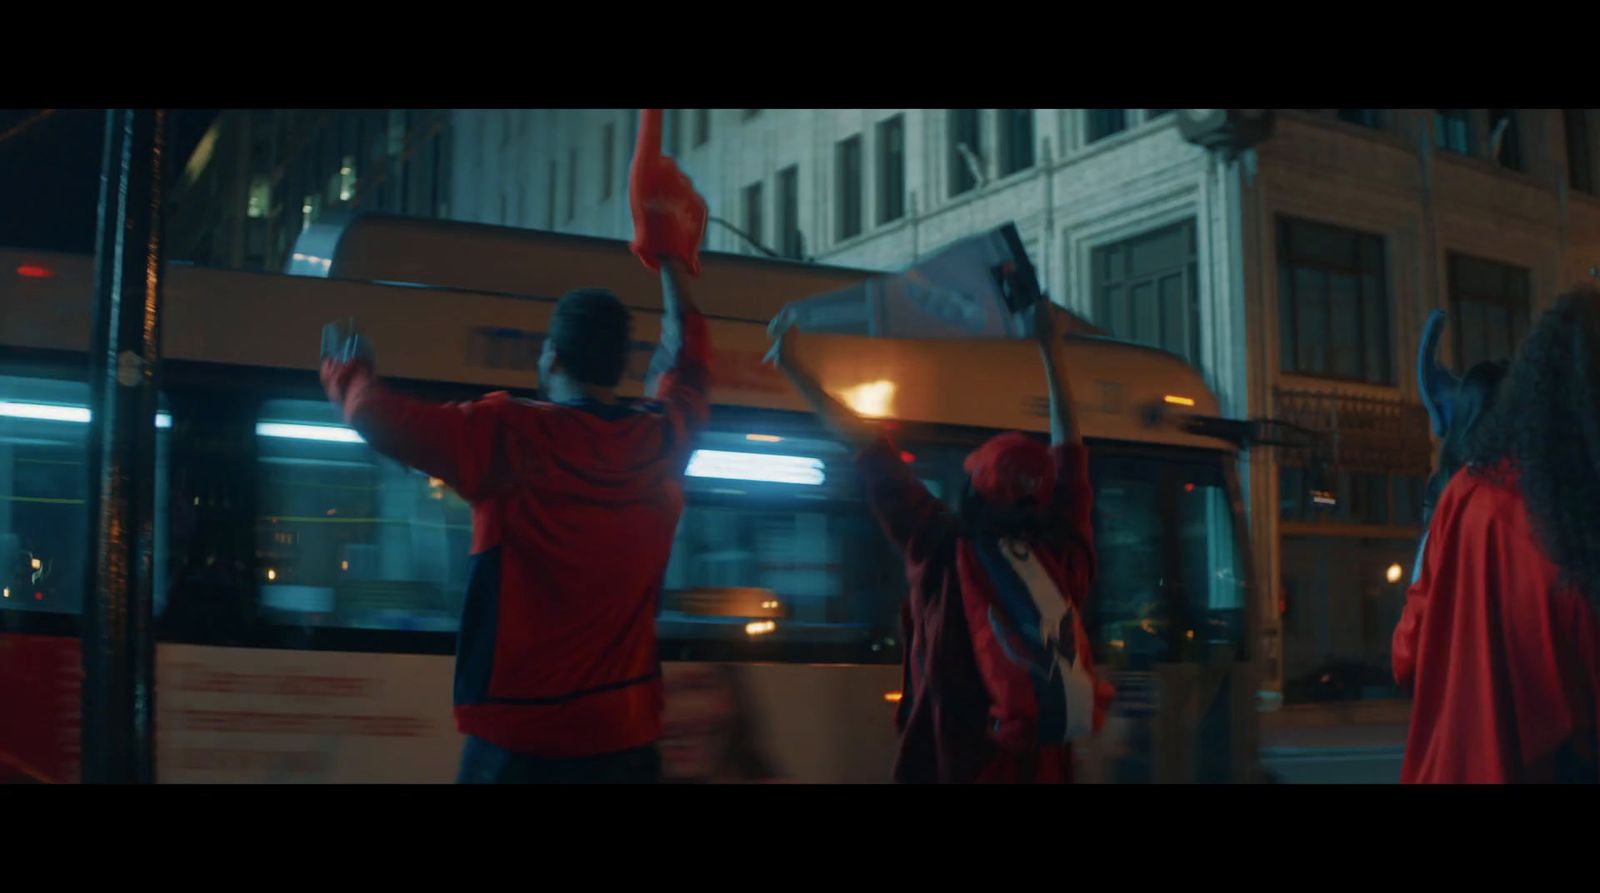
x: 347, y: 538
x: 776, y: 548
x: 44, y: 429
x: 1171, y: 584
x: 44, y: 426
x: 1127, y: 611
x: 1212, y: 575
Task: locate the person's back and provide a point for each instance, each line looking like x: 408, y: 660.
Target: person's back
x: 575, y: 501
x: 557, y: 649
x: 1494, y: 657
x: 1498, y: 640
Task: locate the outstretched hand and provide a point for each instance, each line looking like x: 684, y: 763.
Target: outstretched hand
x: 1437, y: 384
x: 782, y: 332
x: 669, y: 217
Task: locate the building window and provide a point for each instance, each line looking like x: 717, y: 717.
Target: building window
x: 789, y: 242
x: 608, y: 152
x: 260, y: 199
x: 1452, y: 130
x: 1489, y: 309
x: 892, y: 169
x: 1505, y: 143
x: 308, y: 211
x: 1333, y: 303
x: 847, y: 154
x: 1580, y: 166
x: 674, y: 128
x: 572, y: 184
x: 966, y: 149
x: 1102, y: 123
x: 702, y: 127
x: 1147, y: 290
x: 752, y: 212
x: 550, y: 198
x: 1016, y: 140
x: 1364, y: 117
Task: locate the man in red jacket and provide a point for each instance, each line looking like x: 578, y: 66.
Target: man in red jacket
x: 1499, y: 640
x: 575, y: 501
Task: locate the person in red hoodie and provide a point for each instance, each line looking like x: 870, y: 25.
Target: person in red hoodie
x: 575, y: 500
x: 999, y: 676
x: 1498, y: 640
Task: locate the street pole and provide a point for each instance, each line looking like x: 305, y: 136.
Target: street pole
x: 118, y: 734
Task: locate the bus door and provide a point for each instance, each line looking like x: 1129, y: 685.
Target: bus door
x: 1170, y: 618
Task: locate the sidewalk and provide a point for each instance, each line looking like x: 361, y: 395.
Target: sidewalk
x: 1355, y: 742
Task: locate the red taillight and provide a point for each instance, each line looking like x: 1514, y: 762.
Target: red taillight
x: 907, y: 458
x: 34, y: 271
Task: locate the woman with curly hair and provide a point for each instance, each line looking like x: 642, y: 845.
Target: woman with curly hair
x: 1499, y: 640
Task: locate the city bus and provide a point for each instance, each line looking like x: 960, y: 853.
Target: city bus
x: 307, y: 589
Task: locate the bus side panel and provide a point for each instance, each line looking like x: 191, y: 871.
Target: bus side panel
x: 270, y: 716
x: 249, y: 715
x: 40, y: 705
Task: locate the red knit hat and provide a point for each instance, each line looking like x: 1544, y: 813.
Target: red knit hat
x: 1012, y: 468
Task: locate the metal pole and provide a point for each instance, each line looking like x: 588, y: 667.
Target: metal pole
x: 118, y: 645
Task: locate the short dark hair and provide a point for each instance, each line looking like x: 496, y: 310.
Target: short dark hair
x: 591, y: 333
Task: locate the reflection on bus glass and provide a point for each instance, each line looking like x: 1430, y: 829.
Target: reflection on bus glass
x: 43, y: 494
x: 347, y: 538
x: 1171, y: 580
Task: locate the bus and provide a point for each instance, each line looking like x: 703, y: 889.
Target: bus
x: 307, y: 589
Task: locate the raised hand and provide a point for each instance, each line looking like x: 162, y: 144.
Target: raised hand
x: 1437, y: 384
x: 669, y: 217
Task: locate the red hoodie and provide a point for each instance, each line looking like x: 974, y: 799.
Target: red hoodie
x: 1504, y: 659
x: 574, y: 508
x: 948, y: 730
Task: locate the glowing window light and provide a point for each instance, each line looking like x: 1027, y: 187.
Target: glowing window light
x: 763, y: 438
x: 874, y: 398
x: 45, y: 412
x: 1393, y: 573
x: 893, y: 697
x: 756, y: 467
x: 1176, y: 400
x: 329, y: 433
x: 272, y: 574
x: 760, y: 627
x: 58, y: 412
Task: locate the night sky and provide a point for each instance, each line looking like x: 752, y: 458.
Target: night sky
x: 50, y: 174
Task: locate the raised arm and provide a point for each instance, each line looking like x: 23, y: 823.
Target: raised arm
x: 907, y: 512
x: 683, y: 359
x: 839, y: 419
x: 459, y: 443
x: 1049, y: 330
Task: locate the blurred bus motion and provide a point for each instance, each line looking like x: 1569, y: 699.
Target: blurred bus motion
x: 307, y: 589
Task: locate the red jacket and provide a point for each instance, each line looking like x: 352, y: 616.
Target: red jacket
x: 574, y: 508
x: 946, y: 727
x: 1503, y: 659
